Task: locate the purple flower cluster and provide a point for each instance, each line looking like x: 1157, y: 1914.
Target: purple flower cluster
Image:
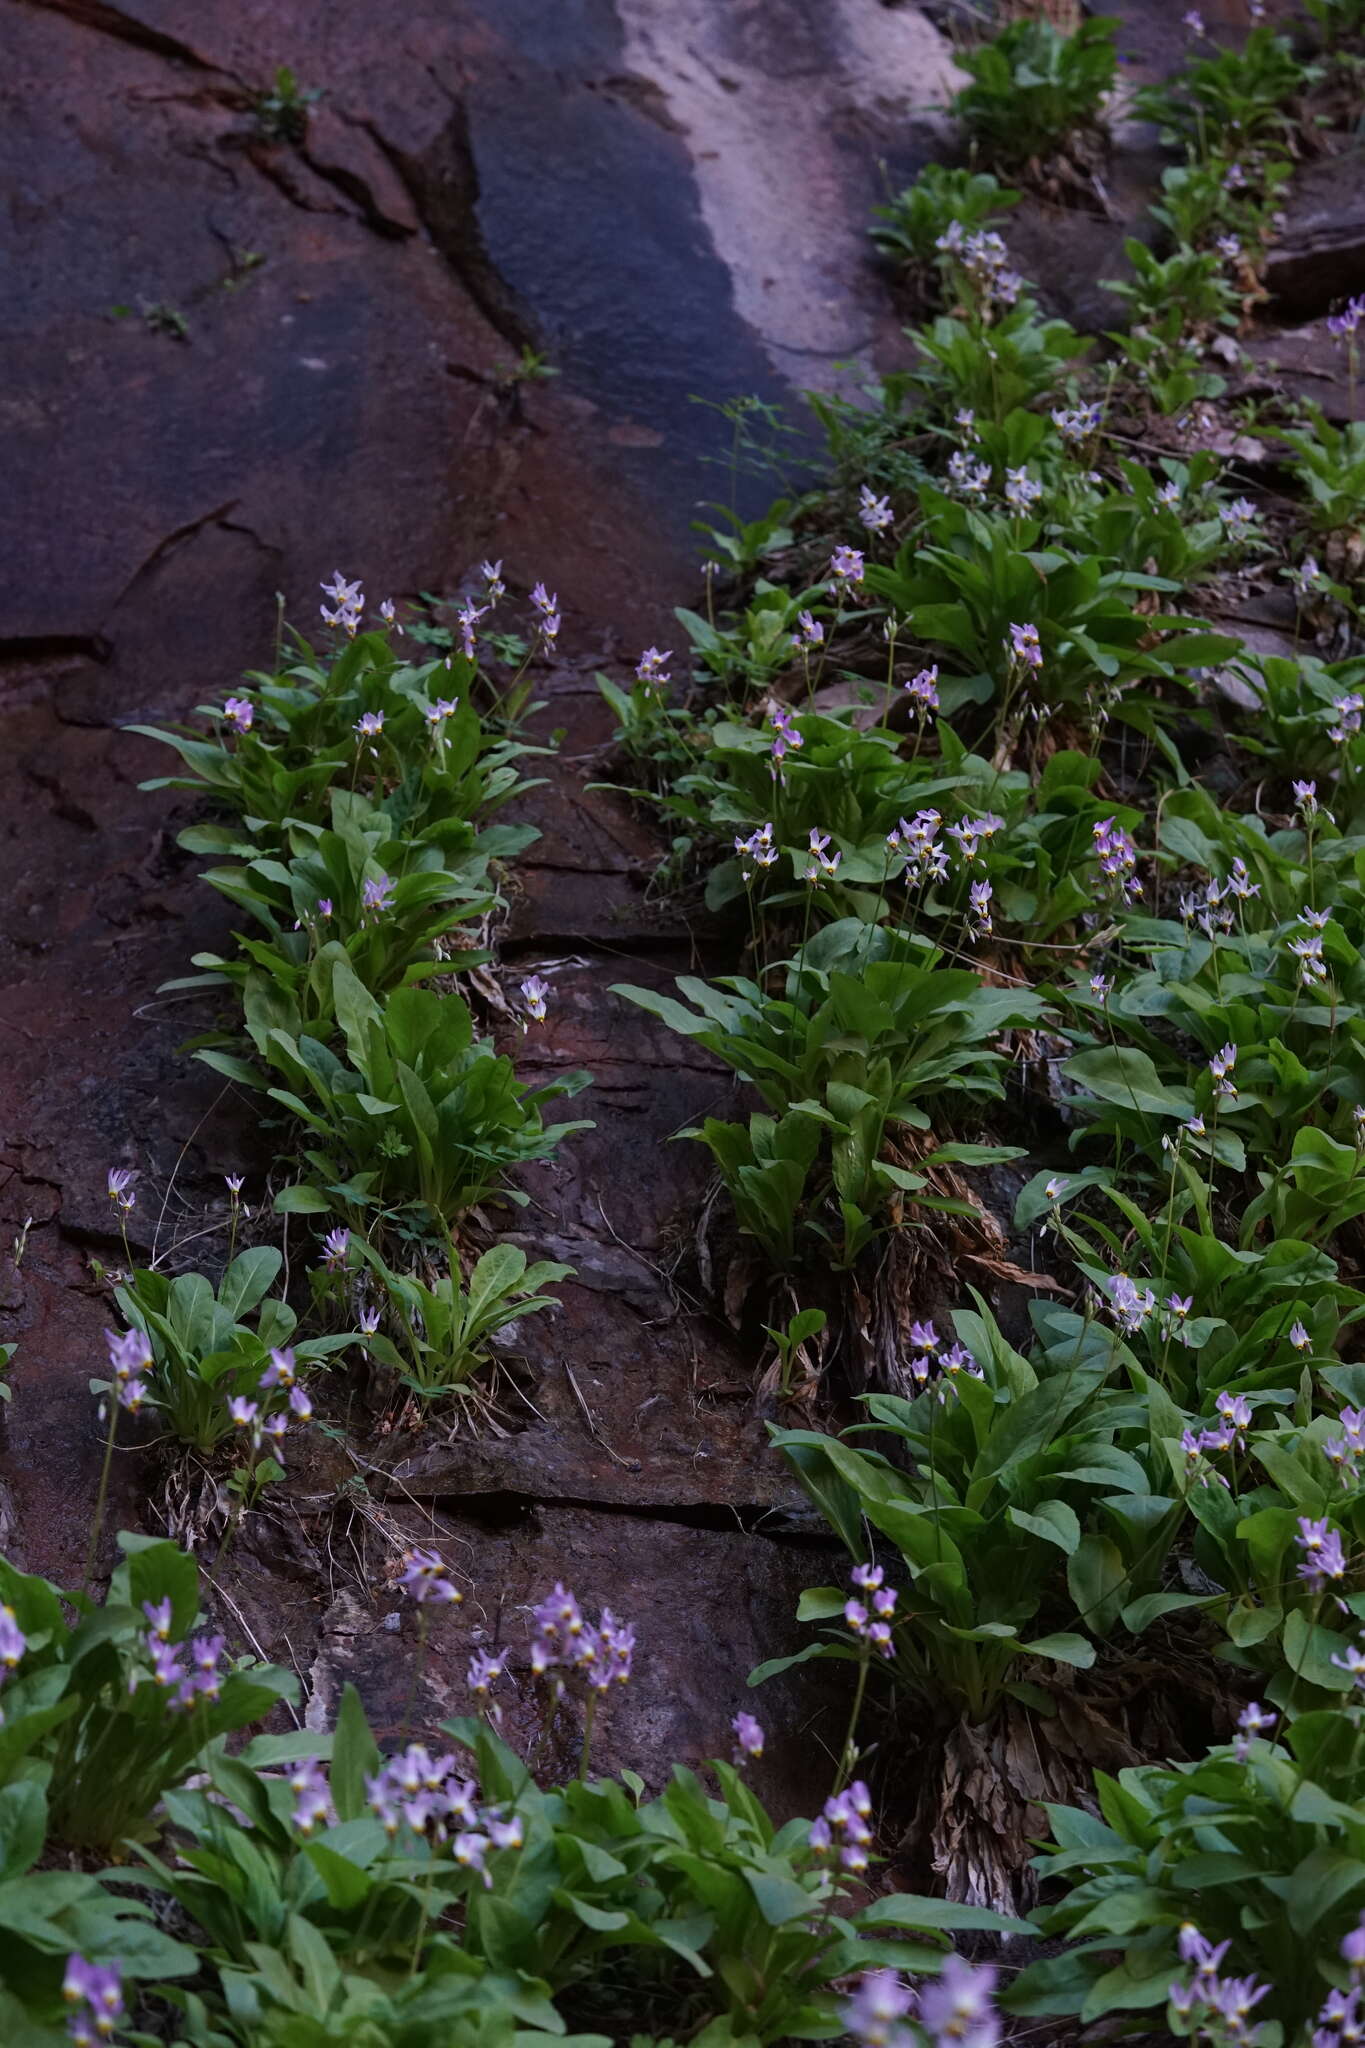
x: 1252, y: 1722
x: 425, y: 1576
x: 810, y: 634
x: 984, y: 260
x: 1117, y: 856
x: 436, y: 714
x: 239, y: 712
x: 1221, y: 1067
x: 843, y: 1821
x: 13, y: 1641
x: 1323, y: 1557
x: 120, y: 1185
x: 1227, y: 2002
x: 846, y: 570
x: 1194, y: 1443
x: 426, y: 1794
x: 650, y: 672
x: 926, y: 858
x: 928, y: 1357
x: 787, y: 740
x: 969, y: 833
x: 967, y: 475
x: 954, y: 2010
x: 1025, y: 646
x: 130, y: 1359
x: 312, y: 1796
x: 1306, y: 948
x: 548, y: 621
x: 748, y: 1736
x: 874, y: 513
x: 979, y: 925
x: 1022, y: 491
x: 823, y: 865
x: 335, y: 1247
x: 1238, y: 517
x: 534, y: 991
x: 467, y: 617
x: 922, y: 690
x: 758, y: 848
x: 1345, y: 1452
x: 265, y: 1422
x: 564, y: 1641
x: 376, y: 894
x: 1129, y: 1304
x: 1340, y: 2020
x: 94, y: 1993
x: 348, y: 604
x: 872, y: 1627
x: 1077, y: 423
x: 1234, y: 1419
x: 188, y: 1671
x: 486, y: 1667
x: 1344, y: 324
x: 1347, y: 712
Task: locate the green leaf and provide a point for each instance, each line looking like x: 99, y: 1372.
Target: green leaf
x: 779, y: 1899
x: 355, y: 1757
x: 346, y: 1883
x: 1063, y: 1649
x: 908, y: 1909
x: 821, y: 1603
x: 250, y: 1275
x: 1128, y: 1077
x: 775, y: 1665
x: 1140, y: 1614
x: 1321, y: 1882
x: 1053, y: 1520
x: 302, y: 1200
x: 1096, y: 1577
x: 23, y: 1827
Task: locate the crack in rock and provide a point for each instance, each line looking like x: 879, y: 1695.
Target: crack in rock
x: 124, y: 28
x: 443, y: 186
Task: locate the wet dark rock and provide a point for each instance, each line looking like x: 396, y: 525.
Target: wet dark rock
x: 707, y: 1606
x: 1317, y: 260
x: 1300, y: 363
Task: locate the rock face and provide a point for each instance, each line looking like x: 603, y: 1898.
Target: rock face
x: 1319, y: 259
x: 235, y: 360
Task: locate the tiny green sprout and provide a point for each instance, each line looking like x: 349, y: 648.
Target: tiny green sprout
x: 531, y: 367
x: 163, y: 319
x: 281, y: 113
x: 245, y: 263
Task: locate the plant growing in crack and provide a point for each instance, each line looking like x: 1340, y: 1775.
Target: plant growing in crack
x: 281, y: 112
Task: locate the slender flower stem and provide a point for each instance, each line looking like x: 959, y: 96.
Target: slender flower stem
x: 97, y: 1520
x: 589, y: 1716
x: 417, y: 1671
x: 848, y: 1755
